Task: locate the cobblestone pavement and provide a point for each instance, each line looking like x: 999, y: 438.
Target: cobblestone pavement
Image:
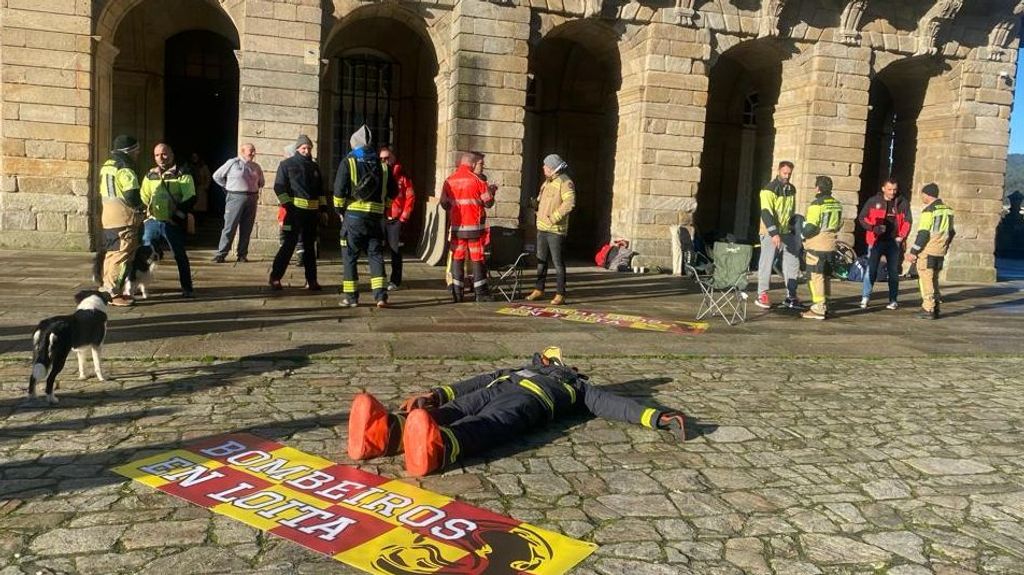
x: 795, y: 466
x: 861, y: 445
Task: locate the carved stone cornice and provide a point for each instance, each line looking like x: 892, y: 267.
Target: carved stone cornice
x: 1002, y: 35
x: 930, y: 27
x: 849, y: 23
x: 771, y: 11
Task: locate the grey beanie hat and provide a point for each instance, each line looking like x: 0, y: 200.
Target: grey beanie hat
x: 303, y: 139
x: 360, y: 138
x: 555, y: 162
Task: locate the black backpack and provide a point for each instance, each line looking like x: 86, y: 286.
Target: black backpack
x: 367, y: 186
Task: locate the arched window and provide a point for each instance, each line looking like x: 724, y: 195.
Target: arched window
x: 367, y: 86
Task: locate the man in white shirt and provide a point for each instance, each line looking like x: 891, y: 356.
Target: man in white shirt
x: 242, y: 179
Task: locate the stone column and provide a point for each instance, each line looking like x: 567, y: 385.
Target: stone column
x: 486, y: 96
x: 279, y: 92
x: 661, y: 129
x: 47, y: 92
x: 820, y: 121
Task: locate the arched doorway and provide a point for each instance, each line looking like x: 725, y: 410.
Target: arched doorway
x: 381, y: 71
x: 899, y: 100
x: 572, y: 111
x: 739, y: 140
x: 175, y: 80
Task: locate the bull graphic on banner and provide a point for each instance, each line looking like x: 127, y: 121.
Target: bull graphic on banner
x: 370, y: 522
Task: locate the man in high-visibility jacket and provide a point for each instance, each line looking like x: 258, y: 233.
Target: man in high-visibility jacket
x: 363, y: 188
x: 299, y: 189
x: 466, y: 195
x: 169, y: 194
x: 823, y: 221
x: 935, y: 232
x: 778, y: 206
x: 122, y: 216
x: 438, y: 428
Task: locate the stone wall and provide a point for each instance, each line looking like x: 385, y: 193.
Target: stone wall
x: 57, y: 59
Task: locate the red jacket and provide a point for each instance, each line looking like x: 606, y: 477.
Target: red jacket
x: 465, y: 195
x: 873, y: 214
x: 402, y: 205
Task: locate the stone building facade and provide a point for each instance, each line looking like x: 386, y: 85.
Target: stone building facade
x: 670, y: 111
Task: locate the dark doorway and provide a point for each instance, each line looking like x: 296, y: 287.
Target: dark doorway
x: 572, y: 111
x: 739, y: 140
x: 201, y: 110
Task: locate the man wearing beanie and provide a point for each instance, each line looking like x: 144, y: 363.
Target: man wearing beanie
x: 934, y: 234
x: 822, y: 224
x: 122, y: 216
x: 362, y: 189
x: 557, y: 198
x: 299, y: 189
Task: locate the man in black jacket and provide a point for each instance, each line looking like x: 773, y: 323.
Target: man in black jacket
x: 299, y: 189
x: 437, y: 428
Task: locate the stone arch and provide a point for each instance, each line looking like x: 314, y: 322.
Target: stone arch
x: 739, y: 136
x: 384, y: 68
x: 572, y: 110
x: 130, y: 80
x: 910, y: 111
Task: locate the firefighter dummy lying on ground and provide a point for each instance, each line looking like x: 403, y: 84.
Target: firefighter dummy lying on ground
x: 438, y: 428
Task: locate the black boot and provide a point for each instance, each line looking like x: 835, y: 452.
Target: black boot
x: 483, y: 295
x: 456, y: 293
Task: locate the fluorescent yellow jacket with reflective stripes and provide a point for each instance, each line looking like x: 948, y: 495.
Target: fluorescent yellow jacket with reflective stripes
x: 822, y: 224
x: 935, y: 230
x: 557, y: 199
x: 168, y: 195
x: 353, y: 169
x: 778, y: 204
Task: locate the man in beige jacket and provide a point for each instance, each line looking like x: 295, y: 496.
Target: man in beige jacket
x: 556, y: 200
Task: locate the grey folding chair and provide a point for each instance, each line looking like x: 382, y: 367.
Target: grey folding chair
x: 507, y: 280
x: 723, y: 282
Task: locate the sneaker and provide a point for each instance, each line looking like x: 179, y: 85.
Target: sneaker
x: 864, y: 303
x: 812, y: 314
x: 218, y: 259
x: 423, y: 444
x: 275, y: 284
x: 762, y: 301
x: 392, y: 286
x: 893, y: 305
x: 559, y: 299
x: 535, y: 295
x: 794, y: 303
x: 347, y: 301
x: 368, y: 435
x: 122, y: 301
x: 383, y: 304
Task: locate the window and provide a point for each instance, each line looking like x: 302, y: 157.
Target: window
x: 366, y: 94
x: 750, y: 110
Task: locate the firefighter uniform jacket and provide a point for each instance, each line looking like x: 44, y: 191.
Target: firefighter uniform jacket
x: 466, y: 196
x: 935, y: 231
x: 557, y: 198
x: 822, y: 224
x: 168, y: 195
x: 405, y: 200
x: 363, y: 185
x: 119, y: 192
x: 778, y: 204
x: 298, y: 183
x: 877, y: 211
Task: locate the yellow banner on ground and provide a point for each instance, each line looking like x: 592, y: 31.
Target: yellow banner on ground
x: 367, y: 521
x: 613, y: 319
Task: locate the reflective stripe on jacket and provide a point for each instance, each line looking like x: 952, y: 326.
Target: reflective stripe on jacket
x: 557, y: 198
x: 465, y: 195
x: 298, y: 182
x: 778, y: 204
x: 168, y: 195
x: 822, y: 224
x: 935, y: 230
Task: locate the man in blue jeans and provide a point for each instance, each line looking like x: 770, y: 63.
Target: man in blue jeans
x: 168, y: 194
x: 885, y: 218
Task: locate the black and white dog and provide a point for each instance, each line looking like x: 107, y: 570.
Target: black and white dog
x: 57, y: 336
x: 141, y: 271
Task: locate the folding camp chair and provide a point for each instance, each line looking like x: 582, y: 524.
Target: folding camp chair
x: 723, y: 284
x: 506, y: 280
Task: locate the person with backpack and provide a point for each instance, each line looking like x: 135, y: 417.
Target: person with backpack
x: 886, y: 221
x: 363, y: 189
x: 299, y: 189
x: 440, y: 427
x: 822, y: 224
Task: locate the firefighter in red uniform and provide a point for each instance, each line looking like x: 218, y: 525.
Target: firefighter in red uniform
x: 466, y: 195
x: 398, y: 214
x: 438, y: 428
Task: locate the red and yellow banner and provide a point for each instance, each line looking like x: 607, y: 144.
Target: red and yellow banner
x: 370, y: 522
x: 613, y: 319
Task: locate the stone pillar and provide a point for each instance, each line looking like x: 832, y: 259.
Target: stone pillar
x: 104, y: 54
x: 973, y: 164
x: 820, y: 121
x: 486, y: 96
x: 47, y: 125
x: 279, y: 92
x: 661, y: 129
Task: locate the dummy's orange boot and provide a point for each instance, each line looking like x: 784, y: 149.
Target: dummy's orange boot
x: 368, y: 428
x: 423, y: 443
